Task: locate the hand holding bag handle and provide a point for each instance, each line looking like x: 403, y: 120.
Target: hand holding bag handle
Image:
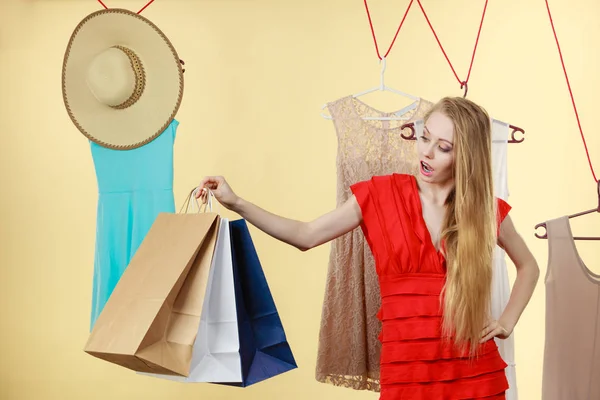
x: 192, y: 195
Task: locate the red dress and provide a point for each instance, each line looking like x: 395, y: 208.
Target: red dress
x: 415, y: 362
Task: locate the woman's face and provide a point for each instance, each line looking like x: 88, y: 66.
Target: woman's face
x: 435, y: 149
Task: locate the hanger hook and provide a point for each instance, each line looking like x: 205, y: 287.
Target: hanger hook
x: 410, y: 126
x: 516, y: 129
x: 465, y: 86
x: 545, y: 235
x: 383, y: 64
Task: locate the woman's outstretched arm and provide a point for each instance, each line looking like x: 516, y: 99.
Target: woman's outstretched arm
x: 302, y: 235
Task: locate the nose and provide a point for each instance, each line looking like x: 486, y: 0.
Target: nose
x: 428, y: 151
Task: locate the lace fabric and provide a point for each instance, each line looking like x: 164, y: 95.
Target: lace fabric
x: 349, y: 349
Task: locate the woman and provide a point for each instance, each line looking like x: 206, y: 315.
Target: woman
x: 433, y: 237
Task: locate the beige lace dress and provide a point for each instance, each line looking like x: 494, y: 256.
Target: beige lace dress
x: 349, y: 348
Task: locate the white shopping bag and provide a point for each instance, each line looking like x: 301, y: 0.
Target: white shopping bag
x: 216, y: 356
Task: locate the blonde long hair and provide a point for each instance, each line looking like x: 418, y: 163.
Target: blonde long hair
x: 469, y: 227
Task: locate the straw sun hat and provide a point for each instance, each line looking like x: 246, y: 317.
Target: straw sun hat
x: 122, y: 80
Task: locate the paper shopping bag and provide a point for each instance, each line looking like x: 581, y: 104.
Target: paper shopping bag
x: 151, y: 319
x: 264, y: 349
x: 216, y: 356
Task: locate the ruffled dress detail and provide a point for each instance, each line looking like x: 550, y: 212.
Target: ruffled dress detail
x: 416, y: 363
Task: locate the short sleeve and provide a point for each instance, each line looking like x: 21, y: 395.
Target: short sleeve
x: 365, y: 201
x: 502, y: 211
x: 363, y: 196
x: 366, y: 193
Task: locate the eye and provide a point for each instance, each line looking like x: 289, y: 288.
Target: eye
x: 424, y: 139
x: 445, y: 149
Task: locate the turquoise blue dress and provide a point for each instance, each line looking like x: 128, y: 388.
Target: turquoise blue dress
x: 134, y: 186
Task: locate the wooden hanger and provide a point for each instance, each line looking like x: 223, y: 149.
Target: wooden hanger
x: 597, y: 209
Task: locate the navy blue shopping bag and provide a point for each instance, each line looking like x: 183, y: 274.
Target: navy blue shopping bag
x: 264, y: 349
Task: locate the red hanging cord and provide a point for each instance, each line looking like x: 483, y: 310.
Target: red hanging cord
x: 397, y: 31
x: 147, y: 4
x: 571, y: 93
x: 143, y: 8
x: 465, y: 82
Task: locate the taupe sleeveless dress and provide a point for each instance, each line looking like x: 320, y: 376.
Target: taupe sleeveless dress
x: 572, y: 344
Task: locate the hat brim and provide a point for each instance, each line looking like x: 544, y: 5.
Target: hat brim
x: 147, y: 118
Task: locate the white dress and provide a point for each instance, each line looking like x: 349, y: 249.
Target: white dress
x: 500, y: 282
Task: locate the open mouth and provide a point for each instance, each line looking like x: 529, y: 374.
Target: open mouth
x: 426, y: 167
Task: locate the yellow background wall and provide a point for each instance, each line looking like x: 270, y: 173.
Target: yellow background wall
x: 257, y: 74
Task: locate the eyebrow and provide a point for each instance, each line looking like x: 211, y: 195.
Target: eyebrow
x: 443, y: 140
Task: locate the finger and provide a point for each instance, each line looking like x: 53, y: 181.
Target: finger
x: 493, y: 333
x: 484, y: 339
x: 201, y: 191
x: 487, y: 330
x: 490, y: 331
x: 208, y: 181
x: 212, y: 185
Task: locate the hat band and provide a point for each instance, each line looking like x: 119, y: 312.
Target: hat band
x: 140, y: 78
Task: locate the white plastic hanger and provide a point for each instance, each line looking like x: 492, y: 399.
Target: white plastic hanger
x: 383, y: 87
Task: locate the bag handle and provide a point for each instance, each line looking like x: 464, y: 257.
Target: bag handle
x: 192, y: 195
x: 186, y: 204
x: 210, y: 201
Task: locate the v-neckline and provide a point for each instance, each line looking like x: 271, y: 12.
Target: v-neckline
x: 422, y: 218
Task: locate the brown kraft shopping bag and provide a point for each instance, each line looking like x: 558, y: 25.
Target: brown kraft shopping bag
x: 151, y: 319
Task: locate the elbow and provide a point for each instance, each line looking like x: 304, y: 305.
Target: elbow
x: 536, y: 270
x: 305, y: 239
x: 532, y: 269
x: 303, y: 247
